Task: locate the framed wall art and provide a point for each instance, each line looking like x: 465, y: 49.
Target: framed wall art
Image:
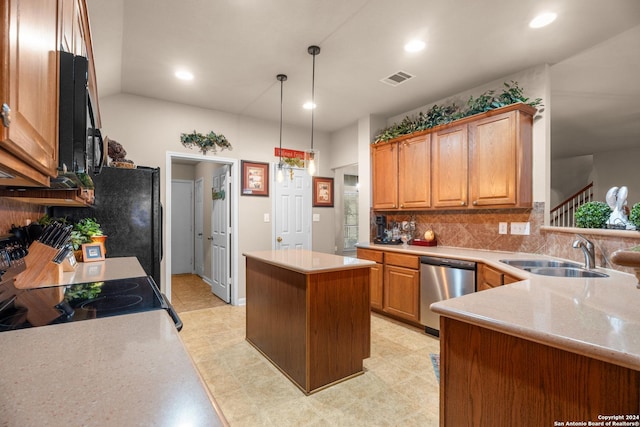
x: 255, y: 178
x: 92, y: 252
x: 322, y: 192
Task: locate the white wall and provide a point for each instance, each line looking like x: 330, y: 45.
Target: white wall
x: 569, y: 176
x: 148, y: 128
x: 615, y: 169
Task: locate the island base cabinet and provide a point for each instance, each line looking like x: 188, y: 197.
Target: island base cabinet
x: 315, y: 328
x: 488, y: 378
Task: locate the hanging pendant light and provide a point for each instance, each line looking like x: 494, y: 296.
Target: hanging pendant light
x: 280, y: 173
x: 312, y: 155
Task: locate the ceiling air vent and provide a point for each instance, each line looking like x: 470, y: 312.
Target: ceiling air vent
x: 397, y: 78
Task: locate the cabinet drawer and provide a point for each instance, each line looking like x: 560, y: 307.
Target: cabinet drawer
x: 491, y: 276
x: 371, y: 255
x: 402, y: 260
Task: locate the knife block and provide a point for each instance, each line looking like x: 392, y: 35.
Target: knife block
x: 40, y: 270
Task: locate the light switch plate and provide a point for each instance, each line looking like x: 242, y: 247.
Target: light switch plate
x: 520, y: 228
x: 502, y: 228
x: 316, y: 217
x: 266, y: 217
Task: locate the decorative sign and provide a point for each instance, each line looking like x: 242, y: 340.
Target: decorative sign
x: 292, y: 154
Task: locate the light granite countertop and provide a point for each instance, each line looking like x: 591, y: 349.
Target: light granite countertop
x: 122, y: 371
x: 109, y: 269
x: 596, y: 317
x: 307, y: 262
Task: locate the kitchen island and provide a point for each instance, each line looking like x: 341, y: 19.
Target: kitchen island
x: 308, y: 313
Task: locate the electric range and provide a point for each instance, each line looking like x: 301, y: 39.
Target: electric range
x: 25, y: 308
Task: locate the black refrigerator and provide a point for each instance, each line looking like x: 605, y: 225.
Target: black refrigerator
x: 127, y: 207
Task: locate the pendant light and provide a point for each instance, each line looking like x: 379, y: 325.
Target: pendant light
x: 280, y: 173
x: 311, y: 155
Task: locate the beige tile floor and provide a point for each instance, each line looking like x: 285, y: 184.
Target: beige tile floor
x: 398, y: 388
x: 190, y: 292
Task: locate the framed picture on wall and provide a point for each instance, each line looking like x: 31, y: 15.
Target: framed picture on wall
x: 255, y: 178
x: 322, y: 192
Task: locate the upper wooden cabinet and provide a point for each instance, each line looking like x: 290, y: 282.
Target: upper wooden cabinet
x: 32, y: 33
x: 402, y: 173
x: 480, y: 161
x: 450, y: 167
x: 29, y: 91
x: 414, y: 172
x: 500, y: 160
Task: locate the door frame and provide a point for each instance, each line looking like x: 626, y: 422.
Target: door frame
x: 234, y: 217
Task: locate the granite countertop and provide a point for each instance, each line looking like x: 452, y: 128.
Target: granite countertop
x: 122, y: 370
x: 596, y: 317
x: 305, y: 261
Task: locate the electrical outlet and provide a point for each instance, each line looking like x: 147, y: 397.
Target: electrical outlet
x: 520, y: 228
x: 502, y: 228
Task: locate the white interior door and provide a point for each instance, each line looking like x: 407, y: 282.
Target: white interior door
x: 292, y: 211
x: 198, y: 237
x: 220, y: 236
x: 181, y: 226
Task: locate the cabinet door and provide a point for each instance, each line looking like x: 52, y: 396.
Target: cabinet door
x: 402, y: 292
x: 375, y: 282
x: 414, y: 172
x: 493, y: 161
x: 29, y: 82
x: 384, y: 174
x: 449, y: 157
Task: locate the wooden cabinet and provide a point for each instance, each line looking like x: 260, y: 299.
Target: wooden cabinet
x: 414, y: 172
x: 384, y: 172
x: 401, y: 174
x: 500, y: 160
x: 376, y: 275
x: 450, y: 167
x: 402, y: 286
x: 490, y: 277
x: 395, y: 283
x: 482, y: 161
x: 28, y: 91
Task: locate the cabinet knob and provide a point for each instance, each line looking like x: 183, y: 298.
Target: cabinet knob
x: 6, y: 115
x: 462, y: 203
x: 475, y: 203
x: 402, y: 206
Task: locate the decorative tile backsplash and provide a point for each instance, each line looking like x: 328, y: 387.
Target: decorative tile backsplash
x: 479, y: 230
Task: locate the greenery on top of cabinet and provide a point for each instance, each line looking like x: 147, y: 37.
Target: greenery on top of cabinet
x: 440, y: 115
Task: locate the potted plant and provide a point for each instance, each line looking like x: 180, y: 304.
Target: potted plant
x: 86, y: 230
x: 592, y: 215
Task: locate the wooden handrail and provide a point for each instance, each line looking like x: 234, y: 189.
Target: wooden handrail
x: 568, y: 199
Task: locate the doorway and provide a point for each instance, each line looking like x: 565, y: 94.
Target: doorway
x: 176, y: 159
x: 182, y: 205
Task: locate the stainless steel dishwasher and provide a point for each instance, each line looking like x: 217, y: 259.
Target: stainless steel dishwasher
x: 441, y: 279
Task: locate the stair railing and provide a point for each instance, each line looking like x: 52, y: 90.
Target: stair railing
x: 563, y: 215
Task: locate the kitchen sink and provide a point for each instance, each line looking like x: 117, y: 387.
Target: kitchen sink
x: 566, y: 272
x: 550, y: 267
x: 526, y: 264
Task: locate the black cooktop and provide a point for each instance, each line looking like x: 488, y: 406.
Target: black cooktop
x: 25, y: 308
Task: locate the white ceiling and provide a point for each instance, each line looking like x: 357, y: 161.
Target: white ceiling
x: 236, y: 48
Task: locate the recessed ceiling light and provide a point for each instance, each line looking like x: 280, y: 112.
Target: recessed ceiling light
x: 309, y: 105
x: 414, y: 46
x: 543, y: 20
x: 184, y: 75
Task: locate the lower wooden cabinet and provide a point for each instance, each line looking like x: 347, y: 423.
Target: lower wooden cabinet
x: 490, y: 277
x: 377, y: 276
x: 395, y: 283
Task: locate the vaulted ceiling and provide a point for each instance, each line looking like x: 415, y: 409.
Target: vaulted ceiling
x: 235, y: 49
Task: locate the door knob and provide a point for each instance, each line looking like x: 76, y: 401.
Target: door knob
x: 209, y: 238
x: 199, y: 234
x: 279, y: 239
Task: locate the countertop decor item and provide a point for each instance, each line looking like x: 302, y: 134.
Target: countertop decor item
x: 634, y: 215
x: 592, y: 215
x: 118, y: 155
x: 208, y: 142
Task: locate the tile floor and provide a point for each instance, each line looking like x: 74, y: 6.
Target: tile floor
x: 190, y: 292
x: 398, y: 388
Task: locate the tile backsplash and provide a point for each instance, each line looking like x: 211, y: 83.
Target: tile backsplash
x: 479, y: 230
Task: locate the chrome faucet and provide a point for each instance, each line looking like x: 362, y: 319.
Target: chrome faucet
x: 588, y: 250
